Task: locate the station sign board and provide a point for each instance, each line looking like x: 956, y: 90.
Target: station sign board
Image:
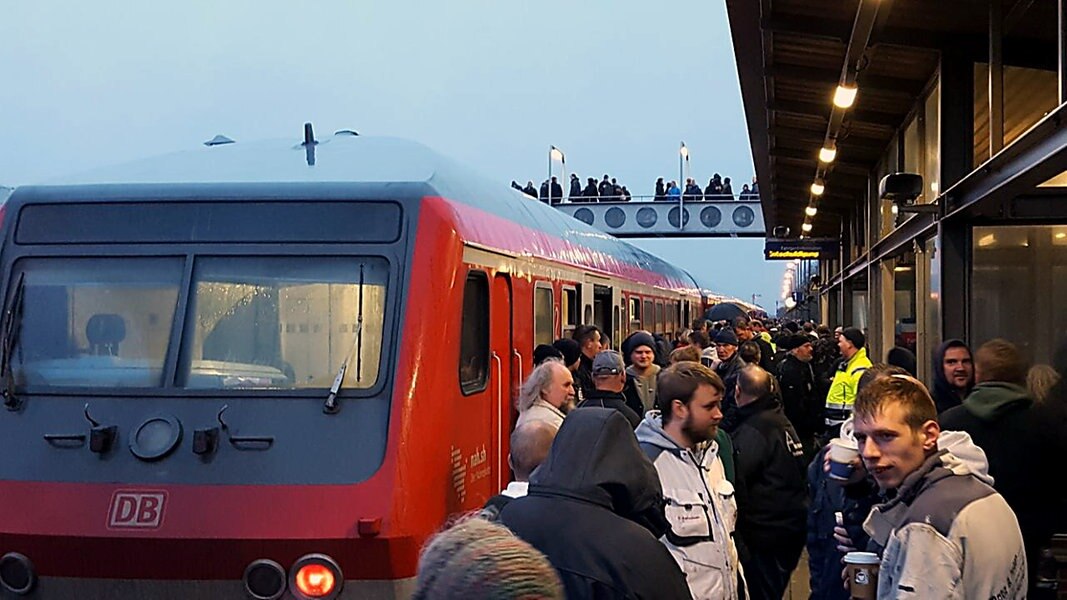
x: 806, y: 249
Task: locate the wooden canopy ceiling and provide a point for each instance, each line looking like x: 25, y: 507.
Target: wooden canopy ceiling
x: 790, y: 57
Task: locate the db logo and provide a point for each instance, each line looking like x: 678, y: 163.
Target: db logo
x: 136, y: 510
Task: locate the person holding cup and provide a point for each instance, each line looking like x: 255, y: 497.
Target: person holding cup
x: 945, y: 533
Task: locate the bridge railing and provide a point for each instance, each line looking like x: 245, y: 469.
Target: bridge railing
x: 645, y: 216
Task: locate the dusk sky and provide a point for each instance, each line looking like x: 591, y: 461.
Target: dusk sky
x: 616, y: 85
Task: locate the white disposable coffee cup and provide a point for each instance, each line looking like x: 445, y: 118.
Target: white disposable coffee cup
x: 862, y: 572
x: 842, y: 454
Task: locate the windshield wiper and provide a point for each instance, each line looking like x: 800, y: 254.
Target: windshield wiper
x: 332, y: 406
x: 12, y: 326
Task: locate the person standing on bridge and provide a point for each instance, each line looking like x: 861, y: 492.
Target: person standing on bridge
x: 606, y: 189
x: 661, y: 190
x: 576, y: 188
x: 673, y: 192
x: 555, y: 192
x: 590, y: 192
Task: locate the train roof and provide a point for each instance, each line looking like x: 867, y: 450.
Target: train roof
x: 487, y: 213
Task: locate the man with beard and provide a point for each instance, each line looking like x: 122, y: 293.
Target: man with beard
x: 797, y: 381
x: 771, y: 487
x: 679, y: 439
x: 547, y: 395
x: 729, y: 364
x: 953, y: 371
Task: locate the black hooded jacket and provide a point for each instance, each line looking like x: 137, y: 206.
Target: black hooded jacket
x: 772, y: 488
x: 945, y: 396
x: 592, y: 508
x: 613, y: 400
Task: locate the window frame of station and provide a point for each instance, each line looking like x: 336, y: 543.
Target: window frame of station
x: 469, y: 388
x: 541, y: 286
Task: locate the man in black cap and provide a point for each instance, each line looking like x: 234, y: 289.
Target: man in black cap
x: 797, y: 381
x: 609, y: 379
x: 730, y: 364
x: 842, y: 393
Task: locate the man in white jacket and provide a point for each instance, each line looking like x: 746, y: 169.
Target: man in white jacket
x: 679, y: 439
x: 946, y: 533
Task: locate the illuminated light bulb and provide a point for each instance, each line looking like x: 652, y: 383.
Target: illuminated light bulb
x: 845, y: 96
x: 806, y: 227
x: 817, y: 188
x: 828, y: 154
x: 811, y: 211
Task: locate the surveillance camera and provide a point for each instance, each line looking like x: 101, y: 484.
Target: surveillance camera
x: 900, y: 188
x: 780, y: 231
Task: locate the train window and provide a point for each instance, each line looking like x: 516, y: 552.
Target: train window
x: 543, y: 330
x: 284, y: 322
x: 474, y: 339
x: 95, y: 322
x: 649, y: 314
x: 635, y: 313
x: 659, y: 317
x: 569, y: 310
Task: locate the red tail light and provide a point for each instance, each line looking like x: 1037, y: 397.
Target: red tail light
x: 316, y: 576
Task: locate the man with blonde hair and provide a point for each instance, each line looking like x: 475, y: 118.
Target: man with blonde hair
x: 547, y: 395
x: 946, y: 533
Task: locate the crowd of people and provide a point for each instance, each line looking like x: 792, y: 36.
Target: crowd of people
x: 699, y: 468
x: 609, y: 190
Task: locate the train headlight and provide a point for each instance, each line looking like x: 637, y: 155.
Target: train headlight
x: 316, y: 576
x: 17, y: 574
x: 264, y: 580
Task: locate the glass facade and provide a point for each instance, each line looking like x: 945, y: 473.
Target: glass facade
x: 1018, y: 282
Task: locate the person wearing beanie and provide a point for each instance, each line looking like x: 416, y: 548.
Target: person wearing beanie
x: 570, y: 350
x: 730, y: 364
x: 842, y: 395
x: 797, y: 379
x: 639, y: 351
x: 479, y: 560
x: 545, y: 351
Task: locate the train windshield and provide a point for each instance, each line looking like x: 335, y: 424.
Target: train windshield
x: 95, y: 322
x: 251, y: 322
x: 284, y: 322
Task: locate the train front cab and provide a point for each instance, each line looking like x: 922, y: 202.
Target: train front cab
x: 168, y: 415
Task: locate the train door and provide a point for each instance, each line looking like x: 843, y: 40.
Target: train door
x: 586, y: 293
x: 602, y: 317
x: 502, y: 380
x: 617, y: 316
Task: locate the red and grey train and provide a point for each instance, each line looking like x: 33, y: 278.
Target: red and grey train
x: 272, y: 370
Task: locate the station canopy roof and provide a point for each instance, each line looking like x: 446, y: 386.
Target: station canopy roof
x: 792, y: 54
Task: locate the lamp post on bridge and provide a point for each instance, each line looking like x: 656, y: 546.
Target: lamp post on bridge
x: 683, y: 162
x: 555, y: 153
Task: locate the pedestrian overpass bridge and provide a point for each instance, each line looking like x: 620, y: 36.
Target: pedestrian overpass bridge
x: 650, y: 218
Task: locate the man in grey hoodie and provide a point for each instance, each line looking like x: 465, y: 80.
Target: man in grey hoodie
x: 1025, y: 443
x: 946, y: 533
x: 639, y: 351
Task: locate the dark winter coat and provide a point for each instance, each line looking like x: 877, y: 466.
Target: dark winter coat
x: 583, y: 376
x: 827, y: 498
x: 576, y: 188
x: 797, y: 381
x: 590, y: 191
x: 772, y: 492
x: 661, y: 190
x: 612, y: 400
x: 606, y: 189
x: 766, y: 355
x: 584, y: 508
x: 1025, y: 445
x: 727, y: 371
x: 557, y: 193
